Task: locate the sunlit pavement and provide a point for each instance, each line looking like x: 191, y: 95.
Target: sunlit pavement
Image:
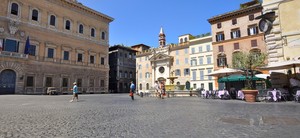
x: 116, y: 115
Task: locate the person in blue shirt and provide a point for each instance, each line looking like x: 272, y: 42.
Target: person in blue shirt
x: 75, y: 92
x: 132, y: 89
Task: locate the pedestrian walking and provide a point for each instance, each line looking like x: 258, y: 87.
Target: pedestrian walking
x: 75, y: 92
x: 132, y: 89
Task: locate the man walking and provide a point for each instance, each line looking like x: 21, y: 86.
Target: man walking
x: 132, y: 89
x: 75, y: 92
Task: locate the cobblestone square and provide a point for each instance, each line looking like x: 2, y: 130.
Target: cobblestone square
x: 117, y: 116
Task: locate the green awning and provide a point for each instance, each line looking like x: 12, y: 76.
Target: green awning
x: 237, y: 78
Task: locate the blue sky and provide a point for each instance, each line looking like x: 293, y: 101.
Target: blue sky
x: 139, y: 21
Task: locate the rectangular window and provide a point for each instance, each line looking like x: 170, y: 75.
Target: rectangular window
x: 194, y: 62
x: 186, y: 51
x: 220, y: 37
x: 29, y: 81
x: 208, y: 48
x: 200, y: 48
x: 120, y: 74
x: 194, y: 75
x: 193, y: 50
x: 234, y: 21
x: 236, y: 46
x: 66, y: 55
x: 11, y: 45
x: 79, y: 57
x: 201, y: 74
x: 200, y: 60
x: 102, y: 83
x: 177, y: 61
x: 186, y: 71
x: 48, y: 82
x: 208, y: 58
x: 79, y: 82
x: 221, y: 49
x: 219, y: 25
x: 177, y: 72
x: 252, y: 30
x: 65, y: 82
x: 209, y: 71
x: 92, y: 59
x: 130, y: 75
x: 102, y: 60
x: 32, y: 49
x: 91, y: 83
x: 222, y: 62
x: 177, y: 52
x: 50, y: 53
x: 235, y: 34
x: 254, y: 43
x: 186, y: 60
x: 251, y: 17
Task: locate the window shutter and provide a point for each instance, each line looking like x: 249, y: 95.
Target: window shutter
x: 217, y: 38
x: 248, y: 31
x: 238, y: 33
x: 225, y: 62
x: 256, y: 30
x: 231, y: 34
x: 218, y: 62
x: 223, y: 37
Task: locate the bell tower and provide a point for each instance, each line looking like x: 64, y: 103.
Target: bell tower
x: 162, y: 38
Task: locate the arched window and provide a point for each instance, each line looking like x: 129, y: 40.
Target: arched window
x: 185, y: 39
x: 103, y: 35
x: 92, y: 32
x: 80, y: 29
x: 222, y: 60
x: 35, y: 15
x: 68, y: 25
x: 147, y: 86
x: 52, y: 20
x: 14, y: 9
x: 181, y: 40
x: 141, y: 86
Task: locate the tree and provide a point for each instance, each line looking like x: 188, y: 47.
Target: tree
x: 248, y: 62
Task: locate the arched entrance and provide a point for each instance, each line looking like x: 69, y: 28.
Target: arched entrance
x: 7, y: 82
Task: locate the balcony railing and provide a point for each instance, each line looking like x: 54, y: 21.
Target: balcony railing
x: 13, y: 54
x: 46, y: 59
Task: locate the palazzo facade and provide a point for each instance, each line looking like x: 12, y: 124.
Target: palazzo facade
x: 52, y: 43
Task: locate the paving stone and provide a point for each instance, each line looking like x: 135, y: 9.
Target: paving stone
x: 117, y: 116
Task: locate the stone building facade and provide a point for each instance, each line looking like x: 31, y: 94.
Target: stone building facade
x: 236, y: 31
x: 67, y: 42
x: 202, y: 63
x: 172, y: 61
x: 281, y: 23
x: 122, y: 68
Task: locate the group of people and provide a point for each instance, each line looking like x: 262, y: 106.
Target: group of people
x: 160, y: 89
x: 294, y: 84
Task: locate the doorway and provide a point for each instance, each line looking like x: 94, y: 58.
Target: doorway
x: 7, y: 82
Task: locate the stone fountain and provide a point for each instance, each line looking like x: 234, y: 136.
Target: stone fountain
x: 171, y: 86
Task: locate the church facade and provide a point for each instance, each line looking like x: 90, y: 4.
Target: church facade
x: 165, y: 62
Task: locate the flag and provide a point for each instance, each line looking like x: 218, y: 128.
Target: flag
x: 1, y: 44
x: 27, y: 46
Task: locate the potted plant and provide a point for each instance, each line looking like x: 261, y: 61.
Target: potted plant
x: 249, y: 62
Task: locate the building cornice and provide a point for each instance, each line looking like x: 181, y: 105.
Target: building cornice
x: 229, y: 15
x: 86, y: 9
